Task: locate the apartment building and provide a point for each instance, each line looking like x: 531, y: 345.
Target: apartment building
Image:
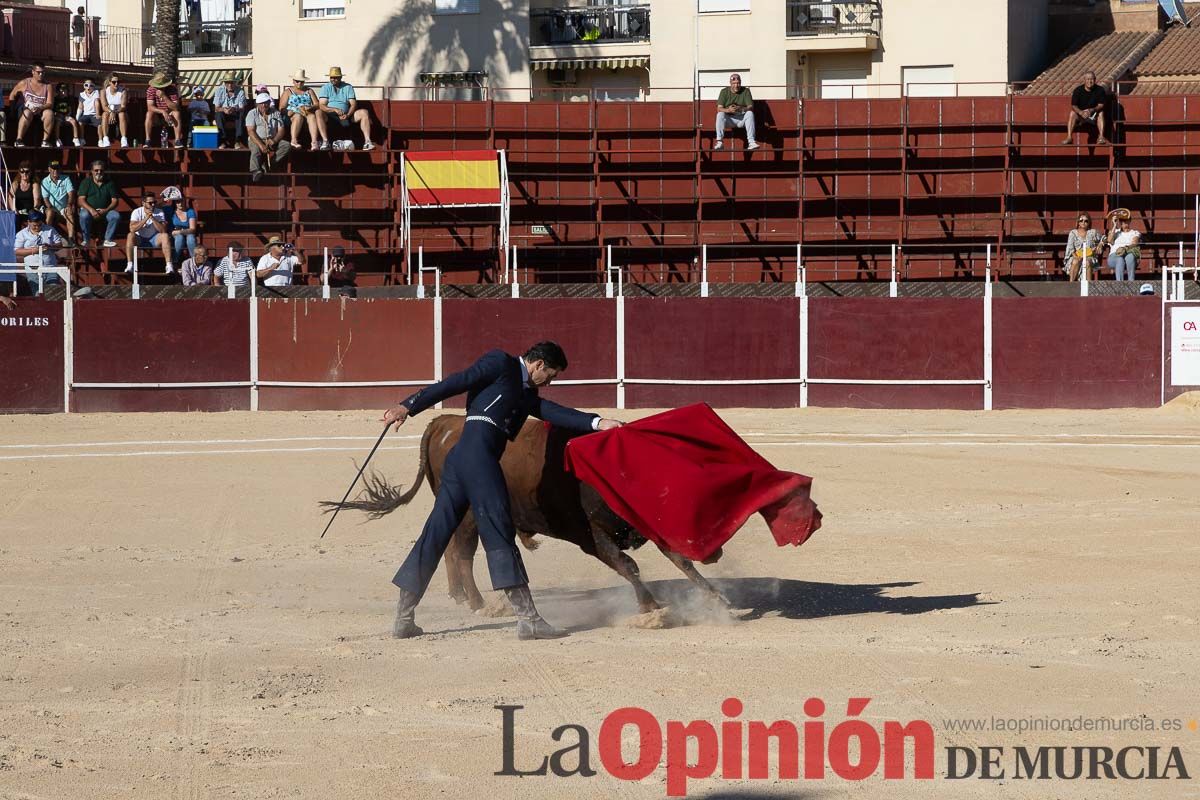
x: 637, y: 49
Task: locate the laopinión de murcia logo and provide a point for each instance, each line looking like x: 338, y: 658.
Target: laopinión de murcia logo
x: 813, y: 749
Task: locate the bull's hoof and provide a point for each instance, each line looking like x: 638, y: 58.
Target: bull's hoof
x: 406, y: 630
x: 538, y: 628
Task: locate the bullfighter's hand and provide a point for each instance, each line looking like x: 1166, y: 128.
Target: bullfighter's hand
x: 396, y: 414
x: 609, y: 424
x: 7, y: 302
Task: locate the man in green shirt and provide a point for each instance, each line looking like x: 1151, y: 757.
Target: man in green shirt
x: 98, y: 198
x: 735, y: 107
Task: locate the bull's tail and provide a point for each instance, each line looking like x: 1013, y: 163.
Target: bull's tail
x: 380, y: 497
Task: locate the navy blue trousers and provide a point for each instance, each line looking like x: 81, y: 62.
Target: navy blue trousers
x: 471, y: 479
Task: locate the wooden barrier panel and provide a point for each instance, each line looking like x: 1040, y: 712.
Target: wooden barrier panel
x: 31, y: 354
x: 1077, y: 352
x: 161, y: 341
x: 342, y: 340
x: 586, y: 329
x: 712, y: 339
x: 886, y: 338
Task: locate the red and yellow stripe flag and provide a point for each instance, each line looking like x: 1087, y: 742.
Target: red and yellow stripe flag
x: 452, y: 177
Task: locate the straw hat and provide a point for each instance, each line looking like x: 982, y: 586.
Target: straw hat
x: 335, y: 72
x: 1121, y: 213
x: 275, y: 240
x: 160, y: 81
x: 299, y: 75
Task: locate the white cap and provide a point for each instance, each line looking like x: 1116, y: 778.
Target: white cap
x: 262, y: 98
x: 1146, y: 289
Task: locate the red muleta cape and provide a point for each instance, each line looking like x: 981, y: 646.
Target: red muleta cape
x: 685, y: 480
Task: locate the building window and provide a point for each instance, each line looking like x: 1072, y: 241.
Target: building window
x: 455, y: 6
x: 709, y: 6
x: 319, y: 9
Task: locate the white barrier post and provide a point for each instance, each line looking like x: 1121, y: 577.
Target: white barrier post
x: 230, y: 289
x: 68, y: 341
x: 608, y: 283
x: 1182, y: 291
x: 515, y: 286
x: 325, y: 276
x: 41, y: 276
x: 803, y: 289
x: 137, y: 287
x: 253, y: 339
x: 800, y: 288
x: 987, y: 334
x: 421, y: 272
x: 437, y: 311
x: 893, y: 290
x: 620, y: 340
x: 704, y: 270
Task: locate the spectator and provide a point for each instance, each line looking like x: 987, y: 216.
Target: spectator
x: 196, y: 271
x: 735, y: 106
x: 1084, y: 244
x: 65, y: 115
x: 235, y: 272
x: 88, y: 111
x: 59, y: 194
x: 112, y: 102
x: 34, y: 236
x: 1088, y: 103
x: 185, y: 223
x: 341, y: 272
x: 339, y: 106
x: 230, y: 102
x: 149, y: 227
x: 78, y: 31
x: 300, y: 104
x: 162, y: 100
x: 24, y: 194
x: 35, y: 93
x: 198, y: 110
x: 278, y: 264
x: 265, y: 129
x: 98, y: 198
x: 1126, y: 244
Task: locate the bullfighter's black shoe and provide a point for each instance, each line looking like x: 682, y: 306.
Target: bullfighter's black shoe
x: 530, y: 624
x: 405, y: 627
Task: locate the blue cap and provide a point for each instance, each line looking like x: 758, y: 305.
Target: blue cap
x: 36, y: 216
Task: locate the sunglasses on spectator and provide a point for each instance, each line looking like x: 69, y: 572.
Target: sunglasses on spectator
x: 23, y: 170
x: 89, y: 85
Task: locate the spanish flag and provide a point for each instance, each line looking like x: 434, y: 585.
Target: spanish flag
x: 452, y: 177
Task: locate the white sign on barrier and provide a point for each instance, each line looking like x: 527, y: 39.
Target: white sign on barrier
x: 1185, y: 346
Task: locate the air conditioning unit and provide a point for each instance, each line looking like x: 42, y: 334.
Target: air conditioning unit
x: 561, y: 77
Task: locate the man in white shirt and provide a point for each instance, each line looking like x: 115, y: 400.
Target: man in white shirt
x: 38, y: 245
x: 148, y: 228
x: 235, y: 272
x: 278, y: 264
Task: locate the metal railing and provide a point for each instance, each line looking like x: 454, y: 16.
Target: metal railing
x: 205, y: 39
x: 121, y: 45
x: 806, y: 18
x: 589, y: 25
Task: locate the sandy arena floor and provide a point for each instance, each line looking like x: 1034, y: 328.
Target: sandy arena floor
x: 171, y: 627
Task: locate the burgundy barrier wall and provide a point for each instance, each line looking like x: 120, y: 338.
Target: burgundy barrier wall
x: 881, y: 338
x: 1070, y: 352
x: 342, y: 340
x: 31, y: 357
x: 586, y: 329
x: 712, y: 339
x: 167, y: 341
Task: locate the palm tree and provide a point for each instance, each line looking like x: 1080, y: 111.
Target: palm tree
x: 166, y: 38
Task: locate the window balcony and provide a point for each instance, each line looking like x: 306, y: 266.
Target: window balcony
x: 806, y: 18
x: 589, y: 25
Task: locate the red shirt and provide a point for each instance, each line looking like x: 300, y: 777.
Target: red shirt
x: 158, y: 98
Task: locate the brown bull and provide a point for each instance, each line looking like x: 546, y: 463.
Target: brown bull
x: 545, y: 499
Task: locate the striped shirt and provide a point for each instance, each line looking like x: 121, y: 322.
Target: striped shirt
x: 238, y: 275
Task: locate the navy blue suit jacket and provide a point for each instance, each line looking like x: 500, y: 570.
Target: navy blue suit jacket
x: 495, y: 390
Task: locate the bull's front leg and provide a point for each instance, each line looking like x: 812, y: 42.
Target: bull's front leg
x: 608, y: 552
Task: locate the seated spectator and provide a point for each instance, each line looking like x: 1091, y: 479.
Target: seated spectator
x: 1126, y: 244
x: 34, y: 92
x: 163, y: 107
x: 1088, y: 104
x: 341, y: 271
x: 185, y: 222
x: 735, y: 106
x: 229, y: 102
x: 97, y: 197
x: 112, y: 103
x: 339, y: 106
x: 25, y: 193
x: 196, y: 271
x: 64, y: 114
x: 278, y: 264
x: 198, y: 111
x: 300, y: 104
x: 1084, y: 245
x: 88, y: 111
x: 235, y: 272
x: 266, y: 130
x: 59, y: 193
x: 149, y: 228
x: 38, y: 244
